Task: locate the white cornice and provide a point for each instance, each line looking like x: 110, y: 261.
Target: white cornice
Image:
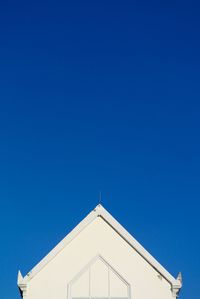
x: 22, y: 285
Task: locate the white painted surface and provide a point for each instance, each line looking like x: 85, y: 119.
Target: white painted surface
x: 57, y: 277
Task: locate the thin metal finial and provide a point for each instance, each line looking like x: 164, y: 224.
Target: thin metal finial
x: 100, y: 197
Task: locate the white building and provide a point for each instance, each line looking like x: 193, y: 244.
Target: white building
x: 99, y: 259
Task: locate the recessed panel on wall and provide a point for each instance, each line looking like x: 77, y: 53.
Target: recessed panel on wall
x: 99, y: 280
x: 80, y: 287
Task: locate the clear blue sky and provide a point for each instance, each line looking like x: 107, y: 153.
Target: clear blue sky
x: 100, y: 95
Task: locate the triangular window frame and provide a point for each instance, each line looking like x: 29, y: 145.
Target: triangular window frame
x: 110, y: 268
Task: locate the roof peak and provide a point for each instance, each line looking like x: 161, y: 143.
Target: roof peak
x: 99, y: 207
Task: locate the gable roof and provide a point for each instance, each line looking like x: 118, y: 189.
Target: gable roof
x: 99, y: 211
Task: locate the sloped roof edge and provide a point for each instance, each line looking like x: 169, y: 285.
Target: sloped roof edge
x: 99, y: 211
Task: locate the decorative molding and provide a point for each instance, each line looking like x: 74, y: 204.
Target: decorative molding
x: 23, y: 290
x: 22, y: 285
x: 175, y: 290
x: 88, y: 266
x: 177, y: 286
x: 91, y: 262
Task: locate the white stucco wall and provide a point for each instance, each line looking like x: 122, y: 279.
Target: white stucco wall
x: 98, y: 238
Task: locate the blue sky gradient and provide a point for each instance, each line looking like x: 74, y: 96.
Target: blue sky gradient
x: 100, y: 95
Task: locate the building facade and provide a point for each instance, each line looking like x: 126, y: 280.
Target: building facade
x: 99, y: 259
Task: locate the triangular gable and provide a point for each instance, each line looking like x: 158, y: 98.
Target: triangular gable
x: 99, y: 211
